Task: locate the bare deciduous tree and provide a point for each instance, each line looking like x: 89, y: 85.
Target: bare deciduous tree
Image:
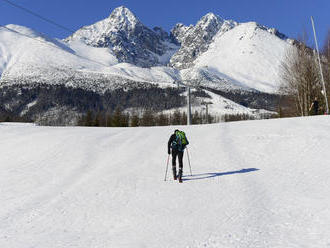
x: 300, y: 77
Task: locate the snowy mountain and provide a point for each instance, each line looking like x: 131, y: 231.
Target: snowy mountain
x: 237, y: 61
x: 249, y: 55
x: 37, y: 59
x: 253, y: 184
x: 195, y: 40
x: 130, y: 40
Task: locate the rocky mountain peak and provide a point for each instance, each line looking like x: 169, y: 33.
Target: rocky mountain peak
x: 122, y: 16
x: 129, y: 39
x: 209, y: 19
x: 195, y: 40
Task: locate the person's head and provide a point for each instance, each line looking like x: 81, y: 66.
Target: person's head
x: 315, y: 99
x: 176, y: 130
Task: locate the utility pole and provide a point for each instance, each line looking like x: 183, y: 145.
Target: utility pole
x: 321, y: 72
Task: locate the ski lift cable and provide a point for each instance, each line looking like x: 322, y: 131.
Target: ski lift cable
x: 65, y: 51
x: 53, y: 46
x: 39, y: 16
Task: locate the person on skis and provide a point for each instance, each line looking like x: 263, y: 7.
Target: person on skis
x: 177, y: 142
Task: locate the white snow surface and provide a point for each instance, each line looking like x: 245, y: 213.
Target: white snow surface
x: 249, y: 53
x: 101, y: 55
x: 219, y: 107
x: 254, y: 184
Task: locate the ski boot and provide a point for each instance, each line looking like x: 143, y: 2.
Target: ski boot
x: 174, y: 173
x: 180, y: 176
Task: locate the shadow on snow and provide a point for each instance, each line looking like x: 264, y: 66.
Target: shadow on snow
x: 216, y: 174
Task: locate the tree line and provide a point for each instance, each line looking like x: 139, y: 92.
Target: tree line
x: 301, y: 77
x: 119, y: 118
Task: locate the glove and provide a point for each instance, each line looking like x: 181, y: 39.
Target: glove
x: 169, y: 152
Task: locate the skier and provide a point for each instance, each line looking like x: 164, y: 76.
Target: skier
x: 315, y: 106
x: 177, y: 142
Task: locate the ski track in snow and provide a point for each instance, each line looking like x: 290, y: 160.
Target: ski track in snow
x: 254, y: 184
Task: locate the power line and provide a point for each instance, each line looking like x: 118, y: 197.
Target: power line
x: 39, y: 16
x: 50, y: 21
x: 51, y: 45
x: 63, y: 50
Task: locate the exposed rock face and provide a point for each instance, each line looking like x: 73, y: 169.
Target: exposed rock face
x: 130, y: 40
x: 196, y: 39
x: 178, y: 33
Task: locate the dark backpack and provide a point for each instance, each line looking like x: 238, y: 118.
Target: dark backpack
x: 180, y: 141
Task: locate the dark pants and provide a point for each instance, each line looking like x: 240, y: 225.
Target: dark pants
x: 178, y: 154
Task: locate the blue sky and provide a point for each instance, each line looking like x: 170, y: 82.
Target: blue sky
x: 290, y: 17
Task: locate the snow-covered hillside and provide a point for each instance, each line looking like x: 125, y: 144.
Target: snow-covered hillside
x: 250, y: 54
x: 254, y: 184
x: 36, y: 58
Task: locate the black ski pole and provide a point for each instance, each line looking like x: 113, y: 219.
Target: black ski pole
x: 168, y: 158
x: 189, y: 161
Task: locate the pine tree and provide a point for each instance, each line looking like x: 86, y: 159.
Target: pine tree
x: 89, y: 119
x: 117, y: 118
x: 176, y: 118
x: 97, y: 120
x: 162, y: 120
x: 124, y: 120
x: 108, y: 122
x: 135, y: 120
x: 148, y: 118
x: 183, y: 120
x: 196, y: 118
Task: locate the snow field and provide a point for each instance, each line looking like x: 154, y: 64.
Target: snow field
x: 254, y: 184
x: 247, y: 54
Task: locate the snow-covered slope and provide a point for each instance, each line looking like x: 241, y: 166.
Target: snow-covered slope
x: 249, y: 53
x: 36, y: 58
x: 219, y: 107
x: 32, y: 52
x: 254, y: 184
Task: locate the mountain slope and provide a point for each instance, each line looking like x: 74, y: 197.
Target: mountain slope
x: 195, y: 40
x: 254, y: 184
x: 37, y: 59
x: 250, y: 54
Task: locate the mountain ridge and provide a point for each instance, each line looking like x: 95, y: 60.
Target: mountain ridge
x: 121, y: 51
